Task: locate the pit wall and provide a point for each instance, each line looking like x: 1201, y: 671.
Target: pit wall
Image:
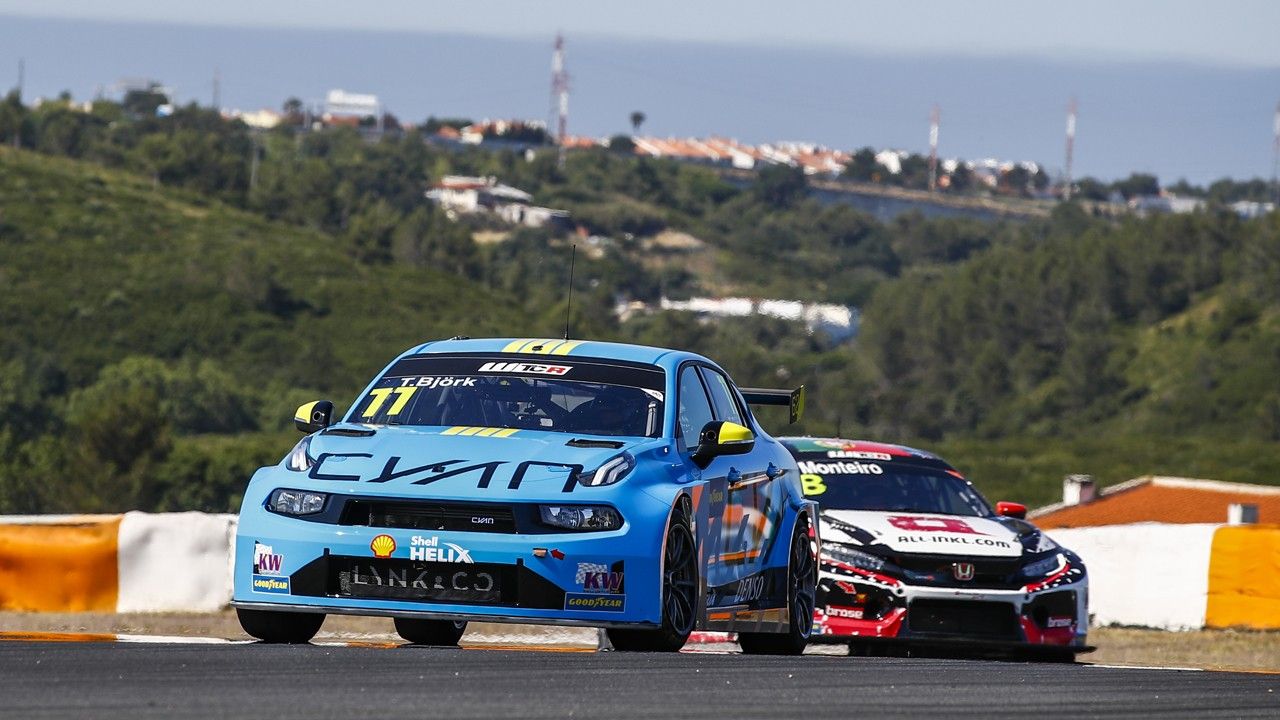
x: 1176, y: 577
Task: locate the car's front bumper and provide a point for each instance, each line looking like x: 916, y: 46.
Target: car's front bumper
x: 542, y: 578
x: 892, y: 610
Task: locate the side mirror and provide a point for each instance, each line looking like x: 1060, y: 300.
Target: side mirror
x: 1012, y: 509
x: 313, y: 416
x: 722, y: 438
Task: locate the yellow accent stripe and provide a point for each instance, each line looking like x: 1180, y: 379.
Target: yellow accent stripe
x: 541, y: 346
x: 468, y: 430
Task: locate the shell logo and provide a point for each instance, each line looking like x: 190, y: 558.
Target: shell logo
x: 382, y: 546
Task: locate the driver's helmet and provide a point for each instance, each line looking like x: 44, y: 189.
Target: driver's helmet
x: 615, y: 410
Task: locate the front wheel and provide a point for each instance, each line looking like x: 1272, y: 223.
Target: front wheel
x: 679, y: 597
x: 445, y: 633
x: 802, y: 588
x: 275, y: 626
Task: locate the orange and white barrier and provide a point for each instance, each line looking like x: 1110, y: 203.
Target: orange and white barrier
x: 1180, y: 577
x: 1146, y: 574
x: 135, y: 562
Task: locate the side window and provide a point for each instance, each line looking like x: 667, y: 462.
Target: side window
x: 695, y: 408
x: 722, y: 397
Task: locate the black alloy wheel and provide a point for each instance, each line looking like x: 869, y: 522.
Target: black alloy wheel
x: 679, y: 596
x: 802, y: 589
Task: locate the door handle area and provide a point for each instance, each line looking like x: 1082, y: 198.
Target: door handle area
x: 774, y: 472
x: 734, y: 476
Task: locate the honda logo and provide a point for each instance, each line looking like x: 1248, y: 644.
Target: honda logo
x: 962, y: 571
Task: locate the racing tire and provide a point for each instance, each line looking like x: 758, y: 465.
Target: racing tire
x: 679, y: 596
x: 1052, y: 655
x: 802, y: 589
x: 279, y: 627
x: 441, y: 633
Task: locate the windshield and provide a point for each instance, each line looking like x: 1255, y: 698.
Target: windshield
x: 869, y: 485
x: 581, y: 397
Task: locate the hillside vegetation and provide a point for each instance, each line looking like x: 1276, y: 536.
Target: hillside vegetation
x: 160, y: 319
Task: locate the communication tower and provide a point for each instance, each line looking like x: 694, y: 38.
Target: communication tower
x: 559, y: 95
x: 1071, y: 148
x: 934, y: 118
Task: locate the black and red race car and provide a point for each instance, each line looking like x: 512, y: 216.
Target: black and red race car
x: 913, y: 555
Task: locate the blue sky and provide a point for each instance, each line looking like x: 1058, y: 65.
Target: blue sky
x: 1224, y: 32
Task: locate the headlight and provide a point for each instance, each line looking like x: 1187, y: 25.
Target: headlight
x: 610, y: 472
x: 581, y: 517
x: 296, y: 502
x: 1043, y: 567
x: 856, y: 558
x: 299, y: 458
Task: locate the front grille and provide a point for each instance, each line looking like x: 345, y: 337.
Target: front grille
x: 968, y: 618
x: 481, y: 583
x: 492, y: 584
x: 937, y: 570
x: 429, y: 515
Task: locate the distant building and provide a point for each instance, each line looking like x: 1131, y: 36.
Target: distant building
x: 838, y: 322
x: 465, y: 195
x: 342, y: 104
x: 1159, y: 499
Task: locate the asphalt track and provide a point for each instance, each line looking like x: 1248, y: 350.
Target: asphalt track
x: 124, y: 680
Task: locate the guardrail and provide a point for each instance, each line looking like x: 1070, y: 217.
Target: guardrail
x: 1174, y: 577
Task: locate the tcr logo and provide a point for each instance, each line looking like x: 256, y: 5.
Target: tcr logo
x: 929, y: 524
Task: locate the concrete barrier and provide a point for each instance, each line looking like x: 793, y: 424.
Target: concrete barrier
x: 1174, y: 577
x: 136, y: 562
x: 1181, y: 577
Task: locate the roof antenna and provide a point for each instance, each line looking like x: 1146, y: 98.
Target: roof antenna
x: 573, y: 256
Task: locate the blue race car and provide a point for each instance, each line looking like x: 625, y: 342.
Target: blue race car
x: 543, y: 481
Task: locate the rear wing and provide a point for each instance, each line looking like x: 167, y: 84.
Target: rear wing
x: 792, y: 399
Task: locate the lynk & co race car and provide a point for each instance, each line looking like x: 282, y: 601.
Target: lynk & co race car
x: 913, y: 555
x: 544, y: 481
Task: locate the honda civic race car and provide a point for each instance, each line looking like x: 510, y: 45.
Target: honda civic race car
x: 913, y: 554
x: 544, y: 481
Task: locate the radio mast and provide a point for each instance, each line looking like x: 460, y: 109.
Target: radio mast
x: 934, y: 119
x: 1071, y: 147
x: 559, y: 96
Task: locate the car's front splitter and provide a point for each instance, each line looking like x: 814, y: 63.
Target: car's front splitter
x: 891, y: 610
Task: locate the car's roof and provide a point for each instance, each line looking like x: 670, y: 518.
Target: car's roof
x: 842, y: 445
x: 553, y: 347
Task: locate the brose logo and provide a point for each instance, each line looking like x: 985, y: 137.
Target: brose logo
x: 525, y: 368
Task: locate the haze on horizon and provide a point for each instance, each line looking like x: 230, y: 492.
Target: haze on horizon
x: 1226, y: 32
x: 1177, y: 88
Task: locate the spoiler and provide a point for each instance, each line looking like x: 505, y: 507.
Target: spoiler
x: 793, y: 399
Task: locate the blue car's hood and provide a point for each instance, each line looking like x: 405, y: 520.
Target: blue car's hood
x: 463, y: 464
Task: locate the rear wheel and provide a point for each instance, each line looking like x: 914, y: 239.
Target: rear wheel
x: 679, y: 596
x: 431, y: 632
x: 802, y: 587
x: 275, y: 626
